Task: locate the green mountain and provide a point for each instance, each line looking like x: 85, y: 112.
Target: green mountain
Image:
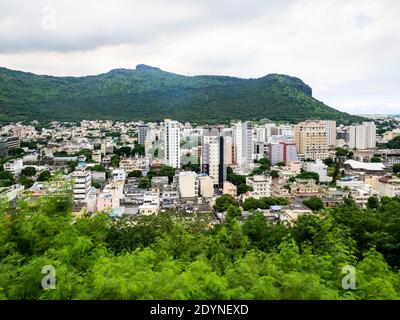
x: 150, y: 94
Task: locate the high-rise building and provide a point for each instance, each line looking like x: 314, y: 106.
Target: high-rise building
x: 330, y: 127
x: 142, y: 133
x: 362, y: 136
x: 206, y: 186
x: 311, y: 140
x: 172, y: 141
x: 269, y: 131
x: 213, y: 156
x: 243, y: 144
x: 282, y: 152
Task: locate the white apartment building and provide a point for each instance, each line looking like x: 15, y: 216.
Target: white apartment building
x: 330, y: 127
x: 318, y: 167
x: 261, y: 185
x: 188, y: 184
x: 243, y: 144
x: 362, y: 136
x: 172, y: 141
x: 259, y: 134
x: 269, y: 131
x: 285, y: 130
x: 14, y: 166
x: 82, y: 184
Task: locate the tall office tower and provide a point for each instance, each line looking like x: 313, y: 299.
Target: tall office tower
x: 311, y: 140
x: 243, y: 144
x: 172, y: 141
x: 330, y: 127
x: 142, y: 133
x: 213, y: 158
x: 282, y: 152
x: 362, y: 136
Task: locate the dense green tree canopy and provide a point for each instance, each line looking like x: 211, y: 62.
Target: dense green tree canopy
x: 28, y: 171
x: 179, y: 256
x: 224, y: 202
x: 308, y: 175
x: 394, y: 144
x: 135, y: 173
x: 314, y: 203
x: 44, y: 176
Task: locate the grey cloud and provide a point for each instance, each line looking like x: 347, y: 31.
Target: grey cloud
x: 347, y: 50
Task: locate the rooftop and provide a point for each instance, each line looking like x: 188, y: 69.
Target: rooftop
x: 378, y: 166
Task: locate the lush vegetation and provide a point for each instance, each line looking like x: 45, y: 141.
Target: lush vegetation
x: 151, y: 94
x: 394, y: 144
x: 179, y: 256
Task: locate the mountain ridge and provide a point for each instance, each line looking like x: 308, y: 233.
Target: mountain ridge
x: 151, y: 94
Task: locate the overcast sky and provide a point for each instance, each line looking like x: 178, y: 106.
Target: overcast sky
x: 348, y: 51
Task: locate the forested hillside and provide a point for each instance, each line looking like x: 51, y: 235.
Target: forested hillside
x: 150, y: 94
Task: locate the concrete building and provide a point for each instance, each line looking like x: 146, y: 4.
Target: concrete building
x: 330, y: 127
x: 311, y: 140
x: 188, y: 184
x: 229, y: 188
x: 243, y: 144
x: 213, y: 156
x: 305, y: 188
x: 362, y: 136
x: 388, y: 186
x: 206, y: 186
x: 14, y: 166
x: 261, y: 185
x: 142, y: 133
x: 318, y: 167
x: 282, y: 152
x: 172, y: 141
x: 96, y: 156
x: 7, y: 144
x: 132, y: 164
x: 294, y: 166
x: 82, y: 184
x: 151, y: 203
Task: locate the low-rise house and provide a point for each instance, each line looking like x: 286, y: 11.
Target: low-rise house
x: 261, y: 185
x: 229, y: 188
x: 388, y: 186
x: 14, y: 166
x: 318, y: 167
x: 305, y: 188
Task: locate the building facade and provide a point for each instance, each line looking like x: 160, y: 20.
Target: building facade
x: 172, y: 141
